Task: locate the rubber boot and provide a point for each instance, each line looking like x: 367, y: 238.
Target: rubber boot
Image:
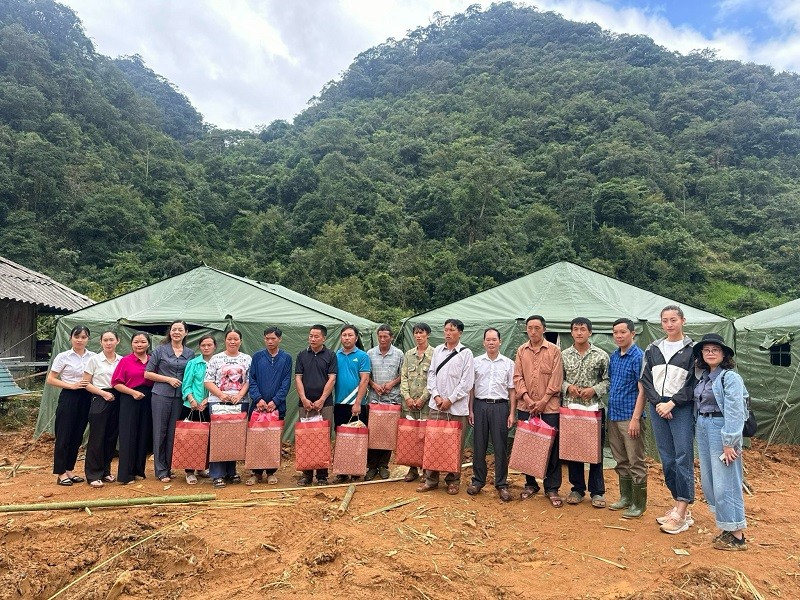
x: 639, y: 504
x: 625, y: 494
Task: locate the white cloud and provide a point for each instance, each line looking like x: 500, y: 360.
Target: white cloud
x: 244, y: 63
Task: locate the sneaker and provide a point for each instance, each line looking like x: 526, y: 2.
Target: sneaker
x: 383, y: 473
x: 339, y: 479
x: 727, y: 541
x: 689, y: 518
x: 675, y: 524
x: 667, y: 516
x: 371, y: 474
x: 304, y: 480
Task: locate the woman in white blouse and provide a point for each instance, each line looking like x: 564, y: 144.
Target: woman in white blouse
x: 72, y: 413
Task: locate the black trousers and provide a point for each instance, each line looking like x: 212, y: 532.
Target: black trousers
x: 198, y: 416
x: 72, y: 415
x: 491, y: 421
x: 575, y: 470
x: 135, y: 435
x: 552, y: 478
x: 103, y: 434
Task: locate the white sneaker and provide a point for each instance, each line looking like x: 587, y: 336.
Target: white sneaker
x: 667, y: 516
x: 676, y: 525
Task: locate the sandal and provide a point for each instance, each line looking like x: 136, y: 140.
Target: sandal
x: 219, y: 482
x: 109, y: 478
x: 253, y: 479
x: 452, y: 488
x: 599, y: 501
x: 96, y: 483
x: 66, y: 481
x: 166, y: 479
x: 191, y: 479
x: 527, y: 492
x: 235, y: 479
x: 77, y: 479
x: 272, y: 479
x: 574, y: 498
x: 555, y: 499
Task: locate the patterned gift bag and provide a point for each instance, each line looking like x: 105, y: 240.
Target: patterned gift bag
x: 532, y: 443
x: 579, y: 438
x: 410, y: 442
x: 228, y: 437
x: 190, y: 448
x: 350, y: 453
x: 383, y: 420
x: 442, y: 446
x: 312, y: 445
x: 263, y: 447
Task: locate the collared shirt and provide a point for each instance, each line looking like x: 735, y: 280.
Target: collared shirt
x: 193, y: 378
x: 70, y: 365
x: 130, y: 372
x: 315, y: 369
x: 270, y: 378
x: 454, y: 380
x: 101, y: 369
x: 493, y: 378
x: 414, y: 374
x: 624, y: 371
x: 165, y: 362
x: 539, y: 372
x: 704, y: 398
x: 348, y: 375
x: 587, y: 370
x: 385, y: 367
x: 229, y: 373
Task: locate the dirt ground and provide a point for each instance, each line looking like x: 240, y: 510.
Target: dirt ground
x: 293, y: 544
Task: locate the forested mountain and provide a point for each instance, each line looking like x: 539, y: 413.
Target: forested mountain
x: 476, y: 149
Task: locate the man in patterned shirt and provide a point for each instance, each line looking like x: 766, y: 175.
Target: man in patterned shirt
x: 585, y: 382
x: 414, y: 380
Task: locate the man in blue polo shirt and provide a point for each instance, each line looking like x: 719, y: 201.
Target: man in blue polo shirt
x: 352, y: 378
x: 270, y: 378
x: 625, y: 425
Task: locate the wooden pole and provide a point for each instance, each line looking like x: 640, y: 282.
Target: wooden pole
x: 315, y: 488
x: 107, y: 502
x: 346, y: 500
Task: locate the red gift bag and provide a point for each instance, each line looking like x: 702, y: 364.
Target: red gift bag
x: 532, y: 444
x: 442, y: 446
x: 410, y: 442
x: 228, y: 437
x: 263, y: 446
x: 312, y: 445
x: 350, y: 454
x: 190, y: 448
x: 383, y: 420
x: 580, y: 432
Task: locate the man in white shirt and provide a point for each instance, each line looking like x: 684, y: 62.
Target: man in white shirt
x: 450, y: 380
x: 492, y: 411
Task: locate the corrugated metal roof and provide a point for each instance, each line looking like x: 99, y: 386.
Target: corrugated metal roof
x: 23, y: 285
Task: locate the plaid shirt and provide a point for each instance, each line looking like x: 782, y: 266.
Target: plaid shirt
x: 385, y: 367
x: 625, y: 371
x: 589, y: 370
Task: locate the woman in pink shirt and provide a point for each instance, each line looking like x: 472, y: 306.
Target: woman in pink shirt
x: 135, y: 419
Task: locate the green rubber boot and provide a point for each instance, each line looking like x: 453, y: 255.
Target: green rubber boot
x: 625, y: 494
x: 639, y: 504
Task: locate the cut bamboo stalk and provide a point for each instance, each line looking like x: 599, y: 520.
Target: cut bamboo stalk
x: 107, y: 502
x: 386, y: 508
x: 346, y: 500
x: 314, y: 488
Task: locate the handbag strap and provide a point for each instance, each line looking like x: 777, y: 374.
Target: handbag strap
x: 746, y: 396
x: 446, y: 360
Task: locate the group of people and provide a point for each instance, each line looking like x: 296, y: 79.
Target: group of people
x: 690, y: 388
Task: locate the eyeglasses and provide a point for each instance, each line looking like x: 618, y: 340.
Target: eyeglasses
x: 712, y: 350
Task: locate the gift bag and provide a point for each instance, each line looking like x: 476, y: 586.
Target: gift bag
x: 312, y: 445
x: 190, y: 448
x: 579, y: 435
x: 442, y: 446
x: 532, y: 444
x: 228, y: 437
x: 350, y: 453
x: 383, y: 420
x: 263, y: 445
x: 410, y: 442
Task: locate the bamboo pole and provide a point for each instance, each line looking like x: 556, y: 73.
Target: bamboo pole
x: 315, y: 488
x: 346, y: 500
x: 386, y: 508
x: 107, y: 502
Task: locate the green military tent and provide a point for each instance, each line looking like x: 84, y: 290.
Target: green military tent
x: 561, y: 292
x: 768, y: 357
x: 210, y: 301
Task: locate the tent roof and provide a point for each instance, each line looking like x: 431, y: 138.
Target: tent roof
x: 205, y: 295
x: 24, y: 285
x: 559, y: 293
x: 783, y: 315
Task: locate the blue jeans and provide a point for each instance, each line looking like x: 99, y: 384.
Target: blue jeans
x: 675, y: 443
x: 722, y: 484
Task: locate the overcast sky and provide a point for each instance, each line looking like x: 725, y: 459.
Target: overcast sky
x: 245, y: 63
